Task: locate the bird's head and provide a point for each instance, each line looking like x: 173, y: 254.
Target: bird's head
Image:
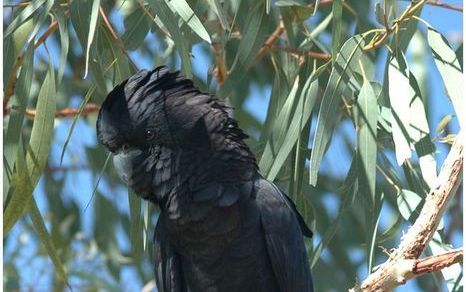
x: 150, y: 118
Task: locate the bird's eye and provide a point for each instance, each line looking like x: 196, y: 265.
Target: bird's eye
x: 125, y: 147
x: 149, y: 134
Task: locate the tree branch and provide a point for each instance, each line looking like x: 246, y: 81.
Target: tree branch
x: 279, y: 31
x: 437, y: 262
x: 403, y: 262
x: 444, y: 5
x: 12, y: 78
x: 312, y: 54
x: 68, y: 112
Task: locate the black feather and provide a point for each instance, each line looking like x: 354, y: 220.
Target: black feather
x: 222, y: 227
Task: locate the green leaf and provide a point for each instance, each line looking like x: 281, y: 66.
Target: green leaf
x: 279, y: 130
x: 86, y: 99
x: 349, y: 191
x: 136, y: 227
x: 64, y: 43
x: 300, y: 117
x: 37, y: 152
x: 25, y: 15
x: 81, y: 12
x: 92, y: 27
x: 96, y: 186
x: 40, y: 18
x: 366, y: 145
x: 254, y: 34
x: 407, y: 202
x: 22, y: 193
x: 391, y: 231
x: 373, y: 237
x: 409, y: 121
x: 170, y: 21
x: 217, y: 8
x: 137, y: 26
x: 18, y: 105
x: 46, y: 240
x: 449, y: 67
x: 337, y: 12
x: 181, y: 7
x: 346, y: 62
x: 13, y: 46
x: 400, y: 93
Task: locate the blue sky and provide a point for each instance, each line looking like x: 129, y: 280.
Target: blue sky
x: 79, y: 184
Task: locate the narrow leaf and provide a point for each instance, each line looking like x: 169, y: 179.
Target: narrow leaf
x: 18, y: 105
x: 38, y: 150
x: 64, y: 43
x: 449, y: 67
x: 46, y: 240
x: 407, y: 202
x: 366, y: 125
x: 346, y: 62
x: 400, y: 93
x: 217, y: 8
x: 279, y: 130
x: 91, y: 32
x: 337, y: 12
x: 25, y: 14
x: 300, y: 117
x: 136, y: 227
x: 187, y: 14
x: 170, y: 21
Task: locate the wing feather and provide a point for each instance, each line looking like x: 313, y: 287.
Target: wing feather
x: 284, y: 238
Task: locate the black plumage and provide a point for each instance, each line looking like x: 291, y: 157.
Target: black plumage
x: 222, y: 226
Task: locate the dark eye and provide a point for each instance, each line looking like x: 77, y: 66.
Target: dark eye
x: 149, y: 134
x: 125, y: 147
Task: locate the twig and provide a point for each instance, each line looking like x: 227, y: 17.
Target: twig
x: 315, y: 55
x: 279, y: 31
x: 115, y: 36
x: 11, y: 82
x: 271, y: 40
x: 437, y: 262
x: 380, y: 38
x: 89, y: 109
x: 20, y: 5
x: 444, y: 5
x: 399, y: 267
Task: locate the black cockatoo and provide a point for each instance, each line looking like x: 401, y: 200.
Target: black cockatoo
x: 222, y: 226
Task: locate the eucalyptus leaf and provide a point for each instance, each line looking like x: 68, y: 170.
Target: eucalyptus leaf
x: 37, y: 150
x: 25, y: 15
x: 300, y: 117
x: 449, y: 68
x: 408, y: 202
x: 345, y: 63
x: 187, y: 14
x: 46, y: 240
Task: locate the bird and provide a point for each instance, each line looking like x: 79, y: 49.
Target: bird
x: 222, y: 226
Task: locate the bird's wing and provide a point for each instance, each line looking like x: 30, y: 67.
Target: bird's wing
x: 167, y: 263
x: 284, y: 238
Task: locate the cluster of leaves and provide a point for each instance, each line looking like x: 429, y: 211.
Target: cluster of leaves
x: 57, y: 50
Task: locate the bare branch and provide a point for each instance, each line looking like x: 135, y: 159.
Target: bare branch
x: 89, y: 109
x: 12, y: 78
x: 444, y: 5
x: 438, y: 262
x: 312, y: 54
x: 403, y: 262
